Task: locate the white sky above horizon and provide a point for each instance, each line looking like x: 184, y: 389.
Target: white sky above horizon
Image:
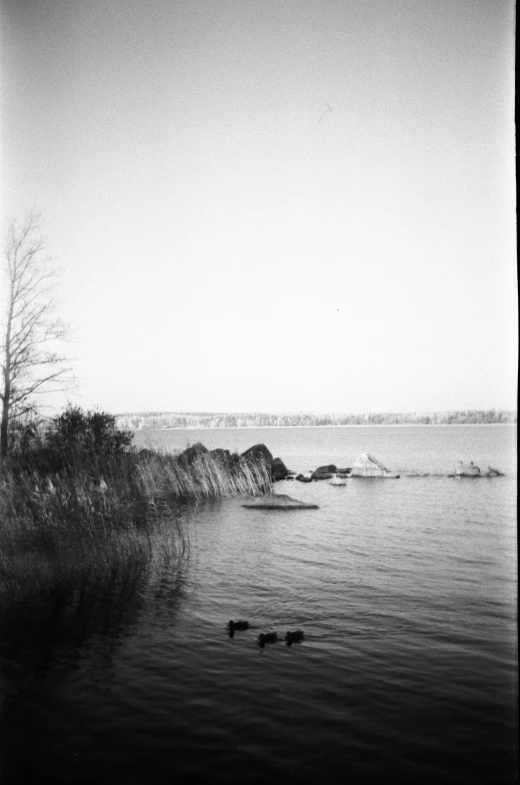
x: 279, y: 205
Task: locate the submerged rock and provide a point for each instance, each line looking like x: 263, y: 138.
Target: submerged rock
x: 278, y: 501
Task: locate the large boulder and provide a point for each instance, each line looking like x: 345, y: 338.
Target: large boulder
x: 279, y: 470
x: 324, y: 472
x: 222, y: 456
x: 368, y: 466
x: 258, y: 453
x: 192, y: 452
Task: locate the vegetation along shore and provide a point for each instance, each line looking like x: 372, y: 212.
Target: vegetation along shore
x: 78, y: 502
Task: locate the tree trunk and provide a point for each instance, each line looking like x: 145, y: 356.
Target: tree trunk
x: 4, y: 429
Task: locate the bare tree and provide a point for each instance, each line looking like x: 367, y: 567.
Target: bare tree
x: 30, y: 361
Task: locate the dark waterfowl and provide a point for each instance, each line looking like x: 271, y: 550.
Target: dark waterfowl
x: 237, y: 625
x: 267, y: 637
x: 296, y: 636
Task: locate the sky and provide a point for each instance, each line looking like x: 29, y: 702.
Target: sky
x: 271, y: 205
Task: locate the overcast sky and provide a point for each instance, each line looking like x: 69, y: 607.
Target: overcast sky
x: 274, y: 205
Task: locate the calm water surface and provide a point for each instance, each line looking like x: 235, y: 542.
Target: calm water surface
x: 406, y: 592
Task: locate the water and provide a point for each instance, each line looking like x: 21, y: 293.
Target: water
x: 406, y: 592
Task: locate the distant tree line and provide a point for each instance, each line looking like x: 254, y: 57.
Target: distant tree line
x: 150, y: 420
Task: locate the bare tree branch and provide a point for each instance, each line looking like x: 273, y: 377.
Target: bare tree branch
x: 30, y: 363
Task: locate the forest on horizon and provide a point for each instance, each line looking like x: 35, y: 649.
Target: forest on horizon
x: 154, y: 420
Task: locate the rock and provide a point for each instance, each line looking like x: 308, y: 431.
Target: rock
x: 223, y: 456
x: 258, y: 453
x: 192, y: 452
x: 279, y: 470
x: 274, y: 501
x: 303, y: 478
x: 368, y: 466
x: 324, y: 472
x: 467, y: 470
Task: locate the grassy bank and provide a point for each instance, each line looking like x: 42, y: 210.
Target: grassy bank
x: 95, y: 517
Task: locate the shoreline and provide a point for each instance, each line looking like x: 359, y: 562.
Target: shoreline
x: 353, y: 425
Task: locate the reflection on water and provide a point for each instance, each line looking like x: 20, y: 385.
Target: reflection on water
x: 70, y: 638
x: 405, y: 592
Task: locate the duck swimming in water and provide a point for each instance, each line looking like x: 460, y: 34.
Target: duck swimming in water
x: 296, y: 636
x: 237, y: 625
x: 267, y: 637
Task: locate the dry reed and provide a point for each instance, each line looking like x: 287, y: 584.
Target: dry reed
x: 98, y: 516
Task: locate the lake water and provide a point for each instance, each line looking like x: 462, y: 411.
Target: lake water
x: 406, y: 591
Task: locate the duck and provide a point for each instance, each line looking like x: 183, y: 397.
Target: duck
x: 267, y: 637
x: 237, y: 625
x: 296, y: 636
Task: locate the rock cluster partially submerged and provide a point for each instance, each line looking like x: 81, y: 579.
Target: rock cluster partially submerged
x: 365, y: 466
x: 470, y: 470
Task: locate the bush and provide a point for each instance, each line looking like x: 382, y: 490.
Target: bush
x: 72, y: 439
x: 93, y: 433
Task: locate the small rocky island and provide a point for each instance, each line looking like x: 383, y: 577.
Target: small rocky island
x: 365, y: 466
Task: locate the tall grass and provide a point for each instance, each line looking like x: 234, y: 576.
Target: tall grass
x: 95, y: 517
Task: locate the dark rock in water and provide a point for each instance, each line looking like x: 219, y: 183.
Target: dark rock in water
x: 279, y: 470
x: 303, y: 478
x: 258, y: 453
x: 324, y: 472
x: 329, y: 468
x: 193, y: 452
x: 343, y: 472
x: 278, y: 501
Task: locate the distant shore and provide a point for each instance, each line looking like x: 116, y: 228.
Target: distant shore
x: 353, y: 425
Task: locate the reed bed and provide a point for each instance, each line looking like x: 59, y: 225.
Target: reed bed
x: 95, y: 517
